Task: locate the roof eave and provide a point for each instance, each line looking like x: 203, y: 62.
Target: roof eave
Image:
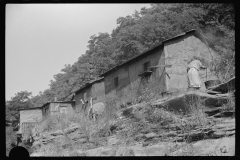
x: 182, y: 34
x: 88, y: 84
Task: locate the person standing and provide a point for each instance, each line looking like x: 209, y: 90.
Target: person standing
x: 194, y: 80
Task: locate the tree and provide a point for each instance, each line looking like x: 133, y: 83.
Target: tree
x: 20, y: 100
x: 142, y: 30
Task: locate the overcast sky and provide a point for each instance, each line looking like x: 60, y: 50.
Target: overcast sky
x: 42, y: 38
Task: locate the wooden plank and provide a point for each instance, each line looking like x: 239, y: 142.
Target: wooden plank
x: 167, y: 65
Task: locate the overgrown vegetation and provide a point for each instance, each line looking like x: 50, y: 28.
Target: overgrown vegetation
x: 11, y: 139
x: 147, y: 119
x: 142, y: 119
x: 95, y: 132
x: 229, y: 107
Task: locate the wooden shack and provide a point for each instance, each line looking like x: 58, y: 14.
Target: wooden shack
x: 29, y: 117
x: 94, y: 89
x: 166, y: 63
x: 56, y: 107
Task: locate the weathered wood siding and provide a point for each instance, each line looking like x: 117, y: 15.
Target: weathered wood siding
x: 95, y: 91
x: 156, y: 57
x: 55, y: 107
x: 79, y: 95
x: 33, y: 115
x: 123, y: 80
x: 128, y: 74
x: 178, y: 52
x: 46, y: 110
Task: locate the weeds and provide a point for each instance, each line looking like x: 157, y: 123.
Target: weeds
x: 230, y: 105
x: 95, y: 133
x: 144, y: 119
x: 151, y: 90
x: 196, y: 111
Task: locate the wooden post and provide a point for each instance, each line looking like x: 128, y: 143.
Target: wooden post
x: 91, y: 102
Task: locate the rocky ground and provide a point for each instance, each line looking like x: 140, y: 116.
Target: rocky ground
x: 215, y: 139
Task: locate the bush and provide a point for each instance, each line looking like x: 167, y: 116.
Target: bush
x: 224, y: 67
x: 230, y: 105
x: 150, y: 90
x: 11, y: 139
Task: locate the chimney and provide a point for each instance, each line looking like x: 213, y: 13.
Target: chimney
x: 55, y: 99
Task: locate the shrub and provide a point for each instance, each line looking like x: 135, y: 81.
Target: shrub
x: 230, y: 105
x: 196, y: 115
x: 224, y: 66
x: 11, y: 139
x: 150, y: 89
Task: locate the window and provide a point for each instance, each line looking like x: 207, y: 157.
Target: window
x: 145, y: 66
x: 85, y: 96
x: 63, y: 109
x: 116, y: 82
x: 146, y: 73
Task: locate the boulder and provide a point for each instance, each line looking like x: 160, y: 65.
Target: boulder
x: 180, y: 103
x: 151, y: 135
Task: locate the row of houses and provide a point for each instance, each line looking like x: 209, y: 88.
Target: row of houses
x: 29, y: 117
x: 166, y: 63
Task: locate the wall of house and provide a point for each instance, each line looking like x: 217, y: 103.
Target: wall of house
x: 95, y: 91
x: 123, y: 84
x: 55, y: 107
x: 32, y: 115
x: 79, y: 95
x: 129, y: 79
x: 178, y: 53
x: 46, y: 110
x: 156, y: 57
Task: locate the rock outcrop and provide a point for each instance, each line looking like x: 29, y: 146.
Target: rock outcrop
x: 217, y: 137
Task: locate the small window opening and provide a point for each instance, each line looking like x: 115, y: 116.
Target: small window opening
x: 85, y: 96
x: 146, y: 65
x: 63, y: 110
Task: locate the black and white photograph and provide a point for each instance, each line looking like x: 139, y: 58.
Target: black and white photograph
x: 119, y: 79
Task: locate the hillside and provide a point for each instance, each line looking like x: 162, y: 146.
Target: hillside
x: 145, y: 129
x: 133, y: 35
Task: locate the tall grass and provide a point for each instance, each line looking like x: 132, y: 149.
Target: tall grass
x: 230, y: 105
x: 11, y: 139
x: 150, y: 89
x: 95, y: 132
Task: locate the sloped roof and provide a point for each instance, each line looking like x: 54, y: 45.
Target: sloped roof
x: 89, y: 83
x: 32, y: 108
x: 57, y: 102
x: 145, y: 52
x: 20, y: 109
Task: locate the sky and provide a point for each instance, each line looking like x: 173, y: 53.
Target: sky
x: 42, y: 38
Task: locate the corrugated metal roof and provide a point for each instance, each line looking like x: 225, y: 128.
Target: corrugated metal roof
x: 159, y: 44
